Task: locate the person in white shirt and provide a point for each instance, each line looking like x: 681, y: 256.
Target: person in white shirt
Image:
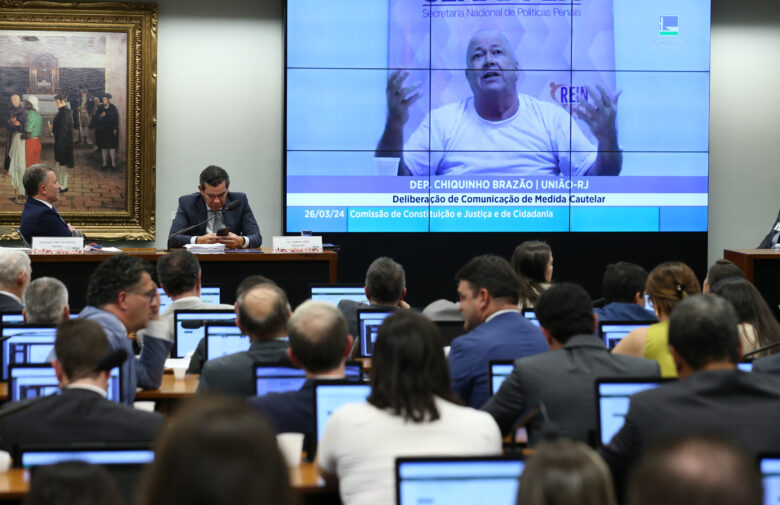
x: 411, y: 411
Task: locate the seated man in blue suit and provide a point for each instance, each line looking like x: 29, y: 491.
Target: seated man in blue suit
x: 39, y: 217
x: 221, y: 208
x: 319, y: 343
x: 623, y: 288
x: 488, y: 287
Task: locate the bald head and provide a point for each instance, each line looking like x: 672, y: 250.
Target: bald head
x: 263, y: 312
x: 488, y: 55
x: 319, y: 336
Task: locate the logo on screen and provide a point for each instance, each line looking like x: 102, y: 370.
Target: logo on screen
x: 669, y: 25
x: 568, y: 95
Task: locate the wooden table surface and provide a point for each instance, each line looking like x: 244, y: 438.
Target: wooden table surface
x: 170, y: 388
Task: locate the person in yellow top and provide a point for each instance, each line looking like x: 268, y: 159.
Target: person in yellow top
x: 667, y: 284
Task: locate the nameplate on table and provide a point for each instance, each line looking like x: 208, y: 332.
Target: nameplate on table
x: 296, y: 244
x: 58, y: 244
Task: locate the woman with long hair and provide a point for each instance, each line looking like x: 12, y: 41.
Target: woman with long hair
x: 758, y: 326
x: 533, y: 261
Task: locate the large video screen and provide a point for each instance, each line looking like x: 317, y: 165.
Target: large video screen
x: 497, y: 115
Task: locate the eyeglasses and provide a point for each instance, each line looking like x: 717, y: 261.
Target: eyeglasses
x: 149, y: 294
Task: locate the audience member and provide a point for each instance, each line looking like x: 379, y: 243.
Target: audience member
x: 668, y: 284
x: 385, y: 289
x: 122, y: 297
x: 45, y: 301
x: 81, y: 413
x: 721, y: 269
x: 712, y: 395
x: 319, y: 343
x: 71, y: 483
x: 623, y: 289
x: 217, y: 452
x: 487, y: 289
x: 263, y: 312
x: 562, y: 379
x: 15, y: 272
x: 564, y: 472
x: 533, y: 262
x: 758, y: 326
x: 410, y: 412
x: 696, y: 470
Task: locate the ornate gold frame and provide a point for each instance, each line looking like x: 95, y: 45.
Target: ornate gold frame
x: 139, y: 22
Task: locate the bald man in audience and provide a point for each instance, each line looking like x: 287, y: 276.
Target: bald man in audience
x: 262, y: 313
x: 46, y: 302
x: 15, y: 273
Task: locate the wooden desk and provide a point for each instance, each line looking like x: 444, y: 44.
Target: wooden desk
x: 171, y: 388
x: 15, y: 483
x: 762, y: 268
x: 293, y: 272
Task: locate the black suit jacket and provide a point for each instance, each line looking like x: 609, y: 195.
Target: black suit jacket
x: 767, y: 242
x: 77, y: 415
x: 192, y: 210
x: 38, y: 220
x: 8, y: 304
x: 291, y: 412
x: 233, y: 374
x: 743, y: 406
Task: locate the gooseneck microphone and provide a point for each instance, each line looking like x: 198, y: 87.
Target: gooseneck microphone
x: 228, y: 207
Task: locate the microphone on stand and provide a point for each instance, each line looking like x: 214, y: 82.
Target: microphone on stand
x: 228, y: 207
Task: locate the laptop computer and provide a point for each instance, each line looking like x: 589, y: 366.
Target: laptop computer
x: 612, y: 332
x: 334, y: 293
x: 469, y: 480
x: 369, y: 321
x: 209, y: 293
x: 11, y: 319
x: 746, y: 366
x: 30, y: 344
x: 329, y: 395
x: 282, y: 378
x: 613, y: 396
x: 189, y: 327
x: 34, y: 381
x: 770, y: 476
x: 222, y: 339
x: 498, y: 371
x: 530, y: 314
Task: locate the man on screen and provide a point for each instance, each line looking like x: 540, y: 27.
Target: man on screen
x: 498, y: 131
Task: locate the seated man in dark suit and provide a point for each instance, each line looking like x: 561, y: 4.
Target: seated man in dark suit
x: 263, y: 312
x: 773, y: 237
x: 208, y: 205
x: 488, y: 287
x: 39, y: 217
x: 711, y: 396
x: 319, y: 343
x: 15, y: 272
x: 385, y: 289
x: 81, y: 413
x: 623, y: 289
x: 563, y: 378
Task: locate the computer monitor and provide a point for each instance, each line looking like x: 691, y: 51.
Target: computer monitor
x: 369, y: 321
x: 612, y: 332
x: 282, y: 378
x: 11, y: 319
x: 222, y: 339
x: 334, y: 293
x: 329, y: 395
x: 498, y: 371
x: 469, y: 480
x: 746, y: 367
x: 33, y: 381
x: 210, y: 294
x: 26, y: 345
x: 770, y: 475
x: 613, y: 397
x: 530, y: 314
x: 189, y: 327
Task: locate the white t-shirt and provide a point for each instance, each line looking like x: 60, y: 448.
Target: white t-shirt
x: 360, y: 444
x: 534, y: 141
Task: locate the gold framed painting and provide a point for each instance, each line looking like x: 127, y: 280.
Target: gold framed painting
x: 88, y: 71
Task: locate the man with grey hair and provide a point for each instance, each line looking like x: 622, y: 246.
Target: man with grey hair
x: 15, y: 272
x: 46, y: 302
x: 524, y: 136
x: 262, y: 313
x: 39, y: 217
x: 320, y: 344
x: 385, y: 289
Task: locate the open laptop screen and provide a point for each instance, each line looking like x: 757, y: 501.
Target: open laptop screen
x: 613, y: 397
x: 11, y: 318
x: 461, y: 480
x: 612, y: 332
x: 281, y: 378
x: 209, y: 294
x: 369, y: 321
x: 770, y: 475
x: 530, y: 314
x: 334, y: 293
x: 222, y: 340
x: 190, y: 327
x: 329, y: 395
x: 498, y: 372
x: 26, y: 345
x: 33, y: 381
